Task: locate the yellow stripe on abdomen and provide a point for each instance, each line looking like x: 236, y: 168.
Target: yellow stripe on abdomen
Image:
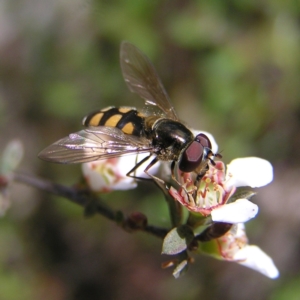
x: 113, y: 120
x: 95, y: 120
x: 128, y: 128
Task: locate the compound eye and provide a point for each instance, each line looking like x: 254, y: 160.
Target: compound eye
x: 192, y: 156
x: 203, y: 140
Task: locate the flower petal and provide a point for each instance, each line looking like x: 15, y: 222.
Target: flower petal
x: 253, y: 257
x: 240, y: 211
x: 102, y: 176
x: 110, y: 174
x: 12, y: 156
x: 249, y: 171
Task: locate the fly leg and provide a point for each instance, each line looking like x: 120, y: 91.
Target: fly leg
x: 136, y: 167
x: 158, y: 181
x: 204, y: 169
x: 197, y: 181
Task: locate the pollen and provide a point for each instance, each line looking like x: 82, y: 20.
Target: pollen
x: 208, y: 180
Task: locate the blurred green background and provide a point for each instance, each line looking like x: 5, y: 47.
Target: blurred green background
x: 230, y: 67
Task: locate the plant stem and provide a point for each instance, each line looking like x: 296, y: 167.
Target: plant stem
x: 82, y: 197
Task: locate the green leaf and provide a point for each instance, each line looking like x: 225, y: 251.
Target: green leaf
x: 241, y: 193
x: 177, y: 240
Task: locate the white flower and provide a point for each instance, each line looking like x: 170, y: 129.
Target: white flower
x: 249, y: 171
x: 10, y: 160
x: 253, y: 257
x: 110, y: 174
x: 233, y: 246
x: 240, y: 211
x: 218, y: 185
x: 11, y: 156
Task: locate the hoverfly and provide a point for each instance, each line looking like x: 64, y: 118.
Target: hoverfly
x: 113, y: 131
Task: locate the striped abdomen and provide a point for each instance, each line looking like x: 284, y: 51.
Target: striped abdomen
x: 128, y: 119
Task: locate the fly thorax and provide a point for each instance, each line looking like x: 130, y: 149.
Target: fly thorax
x: 170, y: 138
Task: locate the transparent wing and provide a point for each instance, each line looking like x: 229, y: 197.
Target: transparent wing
x: 93, y: 144
x: 141, y: 78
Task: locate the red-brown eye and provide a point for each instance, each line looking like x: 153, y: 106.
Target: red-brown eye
x: 203, y: 140
x: 192, y: 156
